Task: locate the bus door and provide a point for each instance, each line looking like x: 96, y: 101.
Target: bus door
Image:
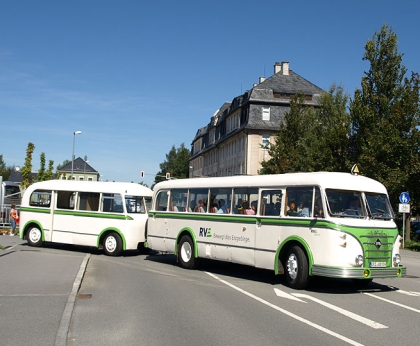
x: 63, y: 217
x: 86, y: 226
x: 160, y: 227
x: 268, y: 233
x: 243, y: 233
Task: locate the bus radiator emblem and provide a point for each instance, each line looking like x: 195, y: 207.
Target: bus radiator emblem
x: 378, y: 243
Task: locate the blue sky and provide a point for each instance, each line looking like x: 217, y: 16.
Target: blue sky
x: 137, y: 77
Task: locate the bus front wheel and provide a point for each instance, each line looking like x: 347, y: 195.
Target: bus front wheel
x: 296, y: 268
x: 186, y: 253
x: 34, y: 236
x: 112, y: 244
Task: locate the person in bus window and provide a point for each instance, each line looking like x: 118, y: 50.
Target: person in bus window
x: 305, y: 212
x: 354, y: 206
x: 13, y: 219
x: 222, y: 207
x: 292, y: 209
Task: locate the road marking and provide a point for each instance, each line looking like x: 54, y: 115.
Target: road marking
x: 392, y: 302
x: 288, y: 313
x: 282, y: 294
x: 408, y: 293
x: 346, y: 313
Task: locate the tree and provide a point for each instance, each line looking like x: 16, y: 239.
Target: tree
x: 42, y: 173
x: 285, y: 150
x: 385, y: 139
x: 5, y: 170
x: 176, y: 164
x: 27, y: 167
x: 330, y: 136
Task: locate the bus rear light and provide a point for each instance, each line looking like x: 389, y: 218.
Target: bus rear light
x: 359, y: 260
x: 344, y: 244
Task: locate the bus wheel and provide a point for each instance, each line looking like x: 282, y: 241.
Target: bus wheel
x: 296, y: 268
x: 34, y: 236
x: 186, y: 253
x: 112, y: 244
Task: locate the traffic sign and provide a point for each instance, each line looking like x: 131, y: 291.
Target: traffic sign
x: 403, y: 208
x: 404, y: 198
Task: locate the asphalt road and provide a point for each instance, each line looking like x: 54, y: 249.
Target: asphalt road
x: 148, y: 300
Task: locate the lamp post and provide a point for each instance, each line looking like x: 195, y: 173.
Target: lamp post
x: 72, y: 155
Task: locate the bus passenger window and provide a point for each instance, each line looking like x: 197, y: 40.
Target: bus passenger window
x: 65, y: 199
x: 198, y: 200
x: 271, y: 202
x: 162, y: 201
x: 40, y: 199
x: 89, y: 201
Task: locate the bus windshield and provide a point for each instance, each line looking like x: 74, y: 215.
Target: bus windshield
x: 342, y: 203
x: 379, y: 206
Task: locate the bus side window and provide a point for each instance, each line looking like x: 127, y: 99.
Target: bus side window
x: 40, y: 199
x: 162, y: 201
x: 65, y: 199
x: 198, y: 200
x: 271, y: 202
x: 89, y: 201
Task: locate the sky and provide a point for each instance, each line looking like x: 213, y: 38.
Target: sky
x: 139, y: 77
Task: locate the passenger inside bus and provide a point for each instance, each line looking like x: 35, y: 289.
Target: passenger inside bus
x: 292, y: 209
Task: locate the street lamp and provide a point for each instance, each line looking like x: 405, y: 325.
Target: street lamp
x: 72, y: 155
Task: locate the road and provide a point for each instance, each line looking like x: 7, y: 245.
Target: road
x: 149, y: 300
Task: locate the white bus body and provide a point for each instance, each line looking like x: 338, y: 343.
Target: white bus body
x: 108, y: 214
x: 321, y: 237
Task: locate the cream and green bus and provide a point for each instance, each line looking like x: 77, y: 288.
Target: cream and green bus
x: 106, y: 215
x: 328, y: 224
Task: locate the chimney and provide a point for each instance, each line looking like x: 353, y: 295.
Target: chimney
x: 277, y: 67
x: 285, y: 68
x: 262, y: 79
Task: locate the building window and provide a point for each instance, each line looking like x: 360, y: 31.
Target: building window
x: 266, y: 113
x: 265, y: 142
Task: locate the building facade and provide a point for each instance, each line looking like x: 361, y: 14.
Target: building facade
x: 81, y: 171
x: 235, y: 141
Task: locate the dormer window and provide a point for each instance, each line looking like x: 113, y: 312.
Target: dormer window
x: 266, y: 113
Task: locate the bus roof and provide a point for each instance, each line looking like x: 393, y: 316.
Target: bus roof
x: 91, y: 186
x: 332, y: 180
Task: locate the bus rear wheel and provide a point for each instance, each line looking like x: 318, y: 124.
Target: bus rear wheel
x: 186, y: 253
x: 34, y: 236
x: 112, y: 244
x: 296, y: 268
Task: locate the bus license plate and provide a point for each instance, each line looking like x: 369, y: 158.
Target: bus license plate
x: 377, y: 264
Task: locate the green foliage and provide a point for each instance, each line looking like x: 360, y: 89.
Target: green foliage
x: 41, y: 171
x: 27, y: 167
x: 385, y: 139
x: 176, y: 163
x: 49, y: 174
x: 312, y: 139
x: 5, y: 170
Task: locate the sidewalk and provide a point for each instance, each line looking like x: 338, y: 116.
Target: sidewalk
x: 38, y: 288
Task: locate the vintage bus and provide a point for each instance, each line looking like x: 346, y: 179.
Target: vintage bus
x: 336, y: 225
x: 100, y: 214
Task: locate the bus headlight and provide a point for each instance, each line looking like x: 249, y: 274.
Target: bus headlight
x: 359, y: 260
x: 397, y: 260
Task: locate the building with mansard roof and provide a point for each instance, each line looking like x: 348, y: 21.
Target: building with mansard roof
x: 235, y: 140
